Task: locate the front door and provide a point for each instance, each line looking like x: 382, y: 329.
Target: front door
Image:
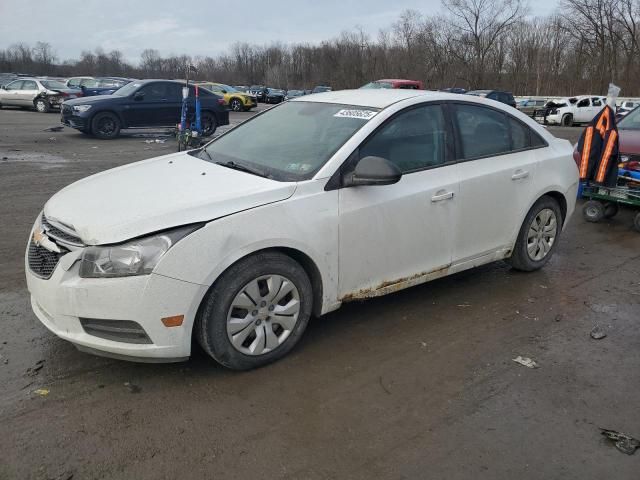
x: 149, y: 106
x: 400, y: 234
x: 496, y: 171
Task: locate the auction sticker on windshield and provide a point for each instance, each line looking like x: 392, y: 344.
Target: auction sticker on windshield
x: 353, y: 113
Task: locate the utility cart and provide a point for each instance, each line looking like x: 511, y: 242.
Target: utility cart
x: 604, y: 202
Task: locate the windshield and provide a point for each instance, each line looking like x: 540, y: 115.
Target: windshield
x: 128, y: 89
x: 377, y: 85
x: 52, y: 84
x: 290, y: 142
x: 631, y: 121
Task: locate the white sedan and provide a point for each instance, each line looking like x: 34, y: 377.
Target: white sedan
x: 321, y: 200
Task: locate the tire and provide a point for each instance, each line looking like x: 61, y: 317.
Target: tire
x: 636, y: 222
x: 593, y: 211
x: 105, y: 126
x: 41, y: 105
x: 236, y: 105
x: 535, y: 246
x: 209, y: 124
x: 567, y: 120
x: 610, y: 210
x: 214, y: 327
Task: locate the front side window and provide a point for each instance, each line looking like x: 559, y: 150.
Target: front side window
x: 290, y: 142
x: 17, y: 85
x: 631, y: 121
x: 413, y: 140
x: 483, y: 131
x: 155, y: 91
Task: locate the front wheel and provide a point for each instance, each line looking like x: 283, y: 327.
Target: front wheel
x: 538, y: 236
x: 567, y: 120
x: 255, y: 312
x: 41, y: 105
x: 105, y: 126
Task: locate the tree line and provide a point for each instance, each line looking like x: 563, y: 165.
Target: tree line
x: 580, y: 48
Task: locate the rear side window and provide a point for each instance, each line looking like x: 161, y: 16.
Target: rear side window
x: 29, y: 85
x: 537, y: 140
x: 413, y: 140
x: 482, y: 131
x: 519, y: 134
x: 596, y: 102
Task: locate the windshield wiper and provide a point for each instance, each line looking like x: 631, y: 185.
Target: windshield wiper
x: 242, y: 168
x: 203, y: 149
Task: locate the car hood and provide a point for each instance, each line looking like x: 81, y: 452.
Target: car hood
x: 91, y: 99
x: 156, y: 194
x: 629, y: 141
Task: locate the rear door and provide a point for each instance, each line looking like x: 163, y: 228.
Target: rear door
x: 496, y: 169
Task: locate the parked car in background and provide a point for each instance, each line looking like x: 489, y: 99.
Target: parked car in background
x: 529, y: 106
x: 458, y: 90
x: 103, y: 85
x: 294, y: 93
x: 42, y: 95
x: 234, y: 99
x: 142, y: 103
x: 332, y: 199
x: 629, y: 145
x: 625, y: 108
x: 258, y: 91
x: 274, y: 95
x: 497, y: 95
x: 242, y: 88
x: 395, y: 83
x: 321, y: 89
x: 571, y: 111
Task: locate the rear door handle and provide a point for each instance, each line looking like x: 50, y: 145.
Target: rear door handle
x: 442, y: 195
x: 519, y: 174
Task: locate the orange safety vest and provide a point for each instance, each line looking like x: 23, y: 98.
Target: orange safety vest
x: 598, y: 148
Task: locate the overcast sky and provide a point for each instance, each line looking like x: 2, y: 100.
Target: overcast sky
x: 206, y: 27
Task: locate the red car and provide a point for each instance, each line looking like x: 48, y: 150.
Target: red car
x: 396, y: 83
x: 629, y: 144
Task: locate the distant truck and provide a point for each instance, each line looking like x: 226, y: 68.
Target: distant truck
x: 571, y: 110
x: 395, y: 83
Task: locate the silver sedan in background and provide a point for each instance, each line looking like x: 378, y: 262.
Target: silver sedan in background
x: 40, y: 94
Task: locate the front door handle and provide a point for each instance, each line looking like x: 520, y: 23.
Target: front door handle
x: 519, y: 174
x: 442, y: 195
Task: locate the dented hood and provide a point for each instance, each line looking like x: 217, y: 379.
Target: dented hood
x: 164, y: 192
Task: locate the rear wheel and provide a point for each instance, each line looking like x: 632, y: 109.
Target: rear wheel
x: 41, y: 105
x: 256, y: 311
x: 105, y: 126
x: 209, y: 123
x: 610, y: 210
x: 236, y: 105
x: 593, y: 211
x: 538, y: 236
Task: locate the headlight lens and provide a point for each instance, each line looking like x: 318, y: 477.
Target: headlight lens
x: 81, y: 108
x: 624, y: 158
x: 138, y: 257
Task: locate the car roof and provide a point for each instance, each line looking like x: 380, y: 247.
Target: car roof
x: 394, y: 80
x: 374, y: 98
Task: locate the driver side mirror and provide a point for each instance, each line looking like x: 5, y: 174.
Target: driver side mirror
x: 372, y: 171
x: 138, y: 96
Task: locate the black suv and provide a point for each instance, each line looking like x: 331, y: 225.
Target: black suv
x: 503, y: 97
x: 142, y: 103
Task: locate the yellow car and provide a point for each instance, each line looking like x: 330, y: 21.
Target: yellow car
x: 236, y: 100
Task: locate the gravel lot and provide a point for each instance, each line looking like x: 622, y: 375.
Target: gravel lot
x: 418, y: 384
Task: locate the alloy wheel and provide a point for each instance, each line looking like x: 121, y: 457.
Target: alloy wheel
x: 263, y: 314
x: 542, y: 234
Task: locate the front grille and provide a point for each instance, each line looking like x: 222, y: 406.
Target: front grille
x: 41, y: 261
x: 125, y: 331
x: 57, y: 234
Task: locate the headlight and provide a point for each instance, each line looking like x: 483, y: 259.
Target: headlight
x: 81, y: 108
x: 138, y: 257
x: 624, y: 158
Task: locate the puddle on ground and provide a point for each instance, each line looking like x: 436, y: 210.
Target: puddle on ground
x: 46, y: 160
